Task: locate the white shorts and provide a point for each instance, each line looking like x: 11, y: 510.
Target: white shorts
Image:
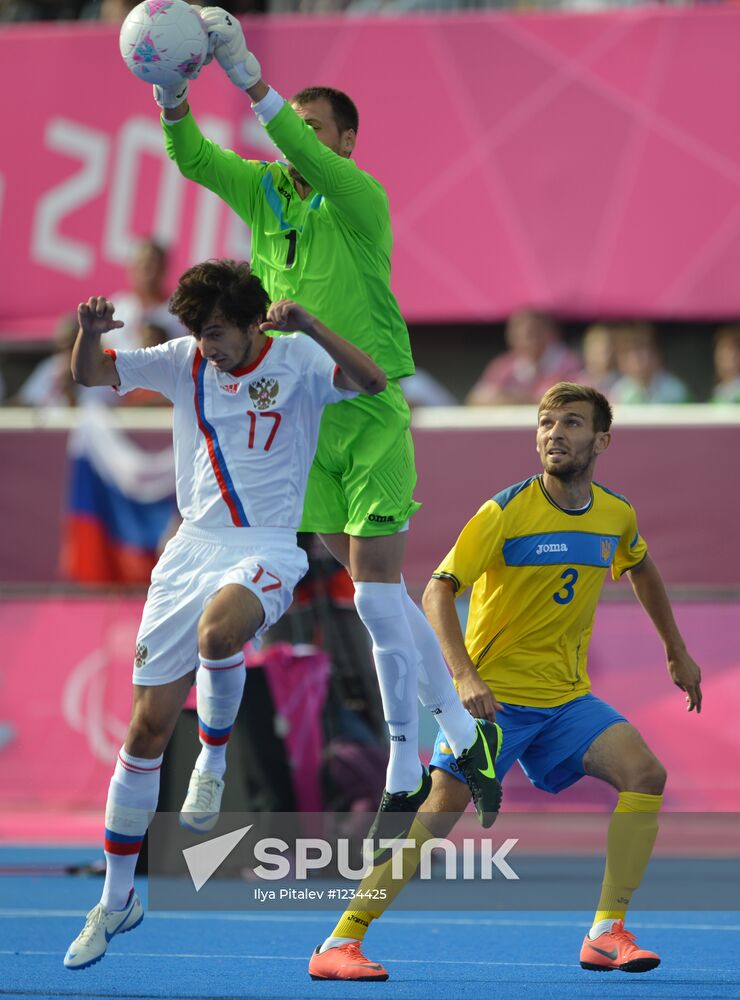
x: 195, y: 564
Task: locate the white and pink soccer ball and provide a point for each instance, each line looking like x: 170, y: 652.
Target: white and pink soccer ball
x: 163, y: 41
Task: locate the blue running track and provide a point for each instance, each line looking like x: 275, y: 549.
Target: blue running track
x: 486, y: 956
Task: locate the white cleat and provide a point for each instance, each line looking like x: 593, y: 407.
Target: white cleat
x: 101, y: 926
x: 202, y: 805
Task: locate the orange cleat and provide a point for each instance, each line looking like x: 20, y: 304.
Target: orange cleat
x: 345, y: 962
x: 616, y: 949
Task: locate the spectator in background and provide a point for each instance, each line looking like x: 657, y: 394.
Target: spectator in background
x: 599, y: 359
x: 51, y: 382
x: 147, y: 302
x: 423, y: 389
x: 643, y: 378
x: 536, y: 359
x: 116, y: 11
x: 727, y: 364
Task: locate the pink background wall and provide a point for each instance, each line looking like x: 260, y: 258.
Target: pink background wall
x: 69, y: 707
x: 586, y: 162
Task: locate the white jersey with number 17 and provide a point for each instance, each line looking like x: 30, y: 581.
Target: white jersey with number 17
x: 244, y: 440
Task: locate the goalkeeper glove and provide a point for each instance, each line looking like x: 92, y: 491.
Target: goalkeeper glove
x: 171, y: 97
x: 226, y: 37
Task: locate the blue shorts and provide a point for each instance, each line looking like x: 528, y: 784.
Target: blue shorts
x: 549, y: 743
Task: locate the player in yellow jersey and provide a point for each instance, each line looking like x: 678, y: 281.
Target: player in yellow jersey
x: 536, y: 556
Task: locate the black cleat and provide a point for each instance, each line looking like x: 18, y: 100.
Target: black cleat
x: 396, y: 814
x: 477, y: 764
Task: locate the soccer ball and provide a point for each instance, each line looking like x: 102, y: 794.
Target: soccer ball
x: 163, y: 41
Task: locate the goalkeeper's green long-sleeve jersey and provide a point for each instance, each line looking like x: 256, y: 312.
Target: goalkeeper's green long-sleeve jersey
x: 329, y: 251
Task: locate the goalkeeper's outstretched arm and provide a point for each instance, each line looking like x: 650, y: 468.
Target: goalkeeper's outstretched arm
x: 358, y: 197
x: 227, y: 44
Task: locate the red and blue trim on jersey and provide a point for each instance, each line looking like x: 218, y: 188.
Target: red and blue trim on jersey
x: 218, y: 463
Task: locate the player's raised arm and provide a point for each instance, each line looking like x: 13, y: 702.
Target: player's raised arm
x: 90, y: 364
x: 649, y: 588
x: 324, y: 166
x: 225, y: 42
x: 222, y: 171
x: 357, y: 370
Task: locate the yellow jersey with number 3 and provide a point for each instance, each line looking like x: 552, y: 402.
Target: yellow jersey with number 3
x: 537, y: 571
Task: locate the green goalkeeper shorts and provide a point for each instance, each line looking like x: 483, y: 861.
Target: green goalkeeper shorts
x: 363, y: 476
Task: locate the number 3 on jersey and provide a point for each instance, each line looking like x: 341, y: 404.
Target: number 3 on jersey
x: 566, y: 593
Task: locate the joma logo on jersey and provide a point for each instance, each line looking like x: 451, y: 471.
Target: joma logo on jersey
x: 607, y: 545
x: 232, y: 388
x: 551, y: 547
x: 264, y: 392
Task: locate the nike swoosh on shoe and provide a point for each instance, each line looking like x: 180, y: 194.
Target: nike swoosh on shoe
x: 488, y: 772
x: 109, y: 937
x: 607, y: 954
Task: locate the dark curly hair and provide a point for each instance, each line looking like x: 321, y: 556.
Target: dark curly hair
x: 226, y: 287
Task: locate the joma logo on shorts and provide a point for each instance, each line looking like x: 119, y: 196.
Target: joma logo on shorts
x: 551, y: 547
x: 379, y: 518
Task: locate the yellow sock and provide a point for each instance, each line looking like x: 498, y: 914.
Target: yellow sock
x: 380, y: 886
x: 632, y: 832
x: 353, y: 924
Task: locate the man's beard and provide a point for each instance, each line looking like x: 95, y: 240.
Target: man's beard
x: 573, y: 471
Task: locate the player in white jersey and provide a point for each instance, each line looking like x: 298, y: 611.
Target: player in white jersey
x: 247, y: 410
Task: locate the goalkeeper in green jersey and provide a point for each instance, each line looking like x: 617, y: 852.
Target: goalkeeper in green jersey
x: 321, y: 235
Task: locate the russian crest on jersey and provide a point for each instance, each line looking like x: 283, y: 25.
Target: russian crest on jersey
x: 163, y: 42
x: 264, y: 392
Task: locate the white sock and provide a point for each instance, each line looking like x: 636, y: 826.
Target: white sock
x: 436, y: 690
x: 404, y: 766
x: 601, y: 927
x: 335, y: 942
x: 219, y: 689
x: 132, y: 800
x: 380, y: 606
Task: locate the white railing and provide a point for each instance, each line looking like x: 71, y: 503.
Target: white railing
x: 686, y: 415
x: 427, y: 418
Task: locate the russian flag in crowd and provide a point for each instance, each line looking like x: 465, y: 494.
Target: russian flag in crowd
x: 120, y: 502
